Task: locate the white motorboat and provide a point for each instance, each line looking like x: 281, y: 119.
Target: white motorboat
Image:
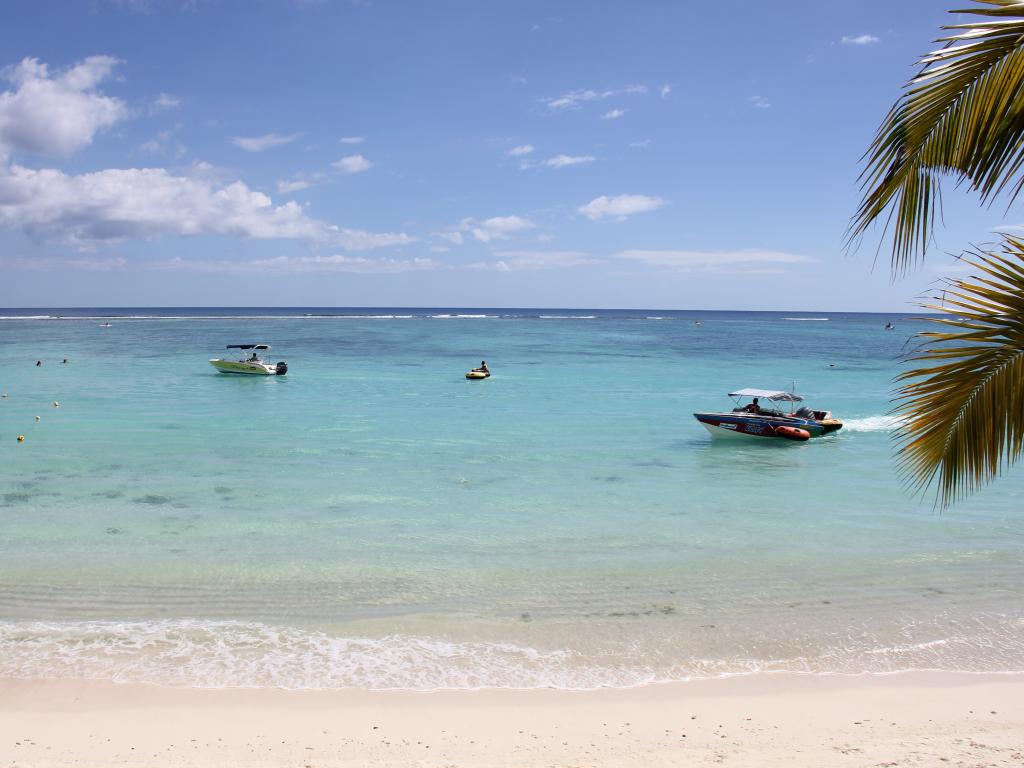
x: 755, y: 420
x: 252, y: 365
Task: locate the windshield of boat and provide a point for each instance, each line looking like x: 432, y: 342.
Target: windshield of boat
x: 765, y: 406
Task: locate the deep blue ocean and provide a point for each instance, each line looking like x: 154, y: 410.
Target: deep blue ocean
x: 375, y: 520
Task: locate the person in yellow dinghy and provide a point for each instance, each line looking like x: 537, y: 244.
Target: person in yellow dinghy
x: 482, y: 372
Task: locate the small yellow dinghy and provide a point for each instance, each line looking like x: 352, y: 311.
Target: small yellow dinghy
x: 478, y: 374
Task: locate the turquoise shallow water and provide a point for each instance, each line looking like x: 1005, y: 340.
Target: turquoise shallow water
x: 375, y: 520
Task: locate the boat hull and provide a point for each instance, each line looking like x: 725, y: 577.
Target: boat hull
x: 749, y: 426
x: 245, y: 368
x: 830, y: 425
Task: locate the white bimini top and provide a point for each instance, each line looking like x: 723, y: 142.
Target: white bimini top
x: 768, y: 394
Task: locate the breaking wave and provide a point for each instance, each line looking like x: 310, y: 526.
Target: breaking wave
x: 227, y: 654
x: 235, y: 654
x: 445, y: 317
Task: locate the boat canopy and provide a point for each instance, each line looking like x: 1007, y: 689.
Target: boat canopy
x: 248, y: 346
x: 768, y: 394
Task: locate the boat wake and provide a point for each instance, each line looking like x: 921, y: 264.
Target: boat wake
x: 885, y: 423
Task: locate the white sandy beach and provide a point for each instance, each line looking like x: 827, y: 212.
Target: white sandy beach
x: 793, y: 720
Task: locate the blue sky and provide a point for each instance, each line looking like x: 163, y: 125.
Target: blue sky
x: 453, y: 153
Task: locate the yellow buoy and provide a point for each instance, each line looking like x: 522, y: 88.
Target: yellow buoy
x: 37, y: 418
x: 21, y: 438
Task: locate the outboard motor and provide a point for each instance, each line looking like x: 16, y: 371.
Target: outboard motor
x: 282, y: 369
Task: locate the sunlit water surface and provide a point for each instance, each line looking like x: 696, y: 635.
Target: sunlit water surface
x: 375, y: 520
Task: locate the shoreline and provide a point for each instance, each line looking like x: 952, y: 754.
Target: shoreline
x: 777, y: 718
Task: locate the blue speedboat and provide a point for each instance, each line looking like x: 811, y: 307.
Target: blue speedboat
x: 769, y: 414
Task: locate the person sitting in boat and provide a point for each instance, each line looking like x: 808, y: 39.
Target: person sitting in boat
x: 255, y: 358
x: 753, y: 407
x: 483, y: 367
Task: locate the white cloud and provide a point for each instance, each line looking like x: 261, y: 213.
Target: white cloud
x: 509, y: 261
x: 58, y: 115
x: 642, y: 144
x: 861, y: 40
x: 306, y: 265
x: 713, y: 260
x: 164, y: 143
x: 262, y: 143
x: 296, y: 185
x: 352, y: 164
x: 576, y: 99
x: 665, y: 90
x: 146, y: 203
x: 166, y: 101
x: 87, y: 264
x: 522, y: 149
x: 360, y: 240
x: 563, y: 161
x: 759, y: 101
x: 620, y: 207
x: 613, y: 114
x: 300, y: 181
x: 495, y: 228
x: 455, y: 238
x: 351, y: 139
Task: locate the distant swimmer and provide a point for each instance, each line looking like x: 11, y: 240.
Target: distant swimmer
x: 889, y: 326
x: 38, y: 363
x: 64, y: 361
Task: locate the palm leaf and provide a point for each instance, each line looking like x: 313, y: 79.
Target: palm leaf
x: 962, y: 116
x: 962, y: 407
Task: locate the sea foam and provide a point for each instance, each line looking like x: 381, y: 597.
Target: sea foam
x: 233, y: 654
x: 885, y: 423
x: 220, y: 654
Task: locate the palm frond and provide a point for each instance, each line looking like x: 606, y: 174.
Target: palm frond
x: 962, y: 116
x: 962, y: 407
